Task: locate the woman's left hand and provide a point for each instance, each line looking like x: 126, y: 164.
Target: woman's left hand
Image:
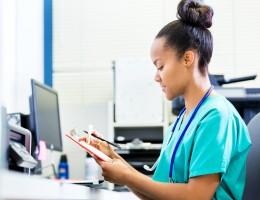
x: 116, y: 171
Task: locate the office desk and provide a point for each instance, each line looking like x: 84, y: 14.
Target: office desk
x: 18, y: 186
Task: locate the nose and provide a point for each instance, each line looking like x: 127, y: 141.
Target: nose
x: 157, y: 77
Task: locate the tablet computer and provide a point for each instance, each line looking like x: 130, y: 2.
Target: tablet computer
x: 90, y: 149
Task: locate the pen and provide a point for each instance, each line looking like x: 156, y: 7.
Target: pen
x: 113, y: 144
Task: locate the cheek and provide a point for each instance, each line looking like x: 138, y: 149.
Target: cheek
x: 174, y: 79
x: 170, y: 75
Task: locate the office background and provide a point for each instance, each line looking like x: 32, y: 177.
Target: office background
x: 89, y: 35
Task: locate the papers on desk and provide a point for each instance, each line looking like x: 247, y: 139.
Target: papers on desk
x: 90, y: 149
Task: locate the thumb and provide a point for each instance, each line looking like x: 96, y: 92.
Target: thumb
x: 104, y: 164
x: 98, y: 161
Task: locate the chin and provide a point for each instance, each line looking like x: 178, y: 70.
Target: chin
x: 169, y: 97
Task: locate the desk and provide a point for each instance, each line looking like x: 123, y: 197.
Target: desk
x: 19, y: 186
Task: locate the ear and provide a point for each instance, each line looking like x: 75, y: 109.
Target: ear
x: 188, y: 58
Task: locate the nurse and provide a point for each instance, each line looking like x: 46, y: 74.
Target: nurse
x: 204, y: 153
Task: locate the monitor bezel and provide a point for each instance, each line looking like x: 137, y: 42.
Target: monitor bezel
x: 35, y: 83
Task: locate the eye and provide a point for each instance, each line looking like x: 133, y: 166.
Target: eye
x: 160, y: 68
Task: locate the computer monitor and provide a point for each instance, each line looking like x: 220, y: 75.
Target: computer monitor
x: 46, y: 117
x: 4, y: 141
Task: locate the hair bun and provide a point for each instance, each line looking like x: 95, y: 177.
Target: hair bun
x: 194, y: 13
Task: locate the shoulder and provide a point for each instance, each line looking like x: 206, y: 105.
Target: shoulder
x: 219, y: 116
x: 219, y: 108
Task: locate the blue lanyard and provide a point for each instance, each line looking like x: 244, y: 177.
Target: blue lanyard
x: 185, y: 129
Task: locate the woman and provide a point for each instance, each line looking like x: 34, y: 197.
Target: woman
x: 204, y: 152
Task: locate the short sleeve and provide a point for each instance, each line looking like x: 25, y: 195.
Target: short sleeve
x: 213, y: 143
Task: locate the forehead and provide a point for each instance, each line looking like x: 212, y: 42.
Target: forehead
x: 160, y: 50
x: 158, y: 47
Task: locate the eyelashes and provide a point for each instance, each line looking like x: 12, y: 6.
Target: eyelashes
x: 160, y: 68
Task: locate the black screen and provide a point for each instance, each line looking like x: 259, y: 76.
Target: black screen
x: 46, y: 115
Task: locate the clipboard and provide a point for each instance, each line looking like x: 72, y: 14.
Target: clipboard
x: 90, y: 149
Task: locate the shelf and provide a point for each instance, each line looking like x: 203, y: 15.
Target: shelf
x: 144, y: 146
x: 128, y: 124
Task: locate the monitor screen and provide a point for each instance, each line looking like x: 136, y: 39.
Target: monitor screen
x: 46, y: 115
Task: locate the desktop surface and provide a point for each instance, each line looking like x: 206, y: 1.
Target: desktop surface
x: 20, y: 186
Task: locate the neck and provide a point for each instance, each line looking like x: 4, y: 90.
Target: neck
x: 195, y: 92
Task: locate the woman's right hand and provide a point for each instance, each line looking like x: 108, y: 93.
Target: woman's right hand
x: 102, y: 146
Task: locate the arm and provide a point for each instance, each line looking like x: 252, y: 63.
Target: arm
x: 201, y: 187
x: 141, y: 196
x: 138, y: 194
x: 119, y: 171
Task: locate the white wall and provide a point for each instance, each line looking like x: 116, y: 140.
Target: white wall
x: 87, y: 37
x: 21, y: 50
x: 29, y: 48
x: 236, y: 39
x: 7, y: 50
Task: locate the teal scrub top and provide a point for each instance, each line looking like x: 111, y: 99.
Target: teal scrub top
x: 217, y: 141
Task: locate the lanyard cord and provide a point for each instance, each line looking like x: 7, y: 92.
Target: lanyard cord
x: 176, y: 122
x: 185, y: 129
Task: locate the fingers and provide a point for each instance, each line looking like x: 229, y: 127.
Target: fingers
x: 83, y: 139
x: 95, y: 143
x: 93, y: 139
x: 94, y: 132
x: 99, y: 144
x: 110, y: 173
x: 88, y: 140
